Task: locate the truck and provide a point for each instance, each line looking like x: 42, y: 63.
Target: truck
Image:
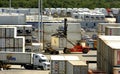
x: 28, y: 60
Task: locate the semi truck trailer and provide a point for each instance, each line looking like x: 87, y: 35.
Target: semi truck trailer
x: 28, y: 60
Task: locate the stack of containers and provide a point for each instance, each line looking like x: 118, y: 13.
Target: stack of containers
x: 101, y: 27
x: 108, y: 53
x: 68, y: 65
x: 16, y: 38
x: 26, y: 31
x: 9, y: 40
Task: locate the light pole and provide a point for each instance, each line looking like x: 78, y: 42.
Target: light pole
x: 40, y: 25
x: 10, y: 6
x: 39, y: 21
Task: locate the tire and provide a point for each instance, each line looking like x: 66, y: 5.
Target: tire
x: 64, y: 50
x: 56, y: 52
x: 85, y: 50
x: 52, y: 52
x: 42, y: 68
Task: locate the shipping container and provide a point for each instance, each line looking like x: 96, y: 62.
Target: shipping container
x: 76, y: 67
x: 53, y: 27
x: 12, y: 18
x: 108, y: 53
x: 9, y: 42
x: 18, y: 42
x: 111, y: 30
x: 101, y: 26
x: 20, y: 31
x: 58, y: 65
x: 9, y: 32
x: 36, y: 47
x: 28, y: 49
x: 28, y: 40
x: 2, y: 42
x: 58, y: 42
x: 116, y: 70
x: 2, y: 32
x: 28, y: 31
x: 76, y: 58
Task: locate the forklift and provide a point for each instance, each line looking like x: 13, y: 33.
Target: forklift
x: 78, y: 47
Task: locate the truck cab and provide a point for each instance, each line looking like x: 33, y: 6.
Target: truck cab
x: 41, y: 61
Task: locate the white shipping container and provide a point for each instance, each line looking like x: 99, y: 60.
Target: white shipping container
x: 9, y: 42
x: 111, y: 30
x: 53, y: 27
x: 12, y: 19
x: 108, y: 53
x: 2, y: 32
x: 9, y: 49
x: 72, y: 58
x: 101, y: 26
x: 18, y: 42
x: 17, y: 57
x: 9, y: 32
x: 18, y: 49
x: 74, y: 36
x: 36, y: 47
x: 76, y: 67
x: 57, y: 65
x: 2, y: 42
x: 58, y: 42
x: 116, y: 70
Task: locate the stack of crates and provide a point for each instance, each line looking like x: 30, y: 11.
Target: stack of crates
x: 108, y: 53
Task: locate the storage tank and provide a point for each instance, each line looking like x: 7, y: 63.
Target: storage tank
x: 76, y: 67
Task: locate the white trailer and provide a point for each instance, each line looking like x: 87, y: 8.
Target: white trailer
x: 28, y: 60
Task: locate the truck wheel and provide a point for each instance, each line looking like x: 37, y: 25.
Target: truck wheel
x: 42, y: 68
x: 68, y: 51
x: 85, y: 50
x: 52, y: 52
x: 56, y: 52
x: 64, y: 50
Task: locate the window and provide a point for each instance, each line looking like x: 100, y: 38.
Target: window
x: 36, y: 56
